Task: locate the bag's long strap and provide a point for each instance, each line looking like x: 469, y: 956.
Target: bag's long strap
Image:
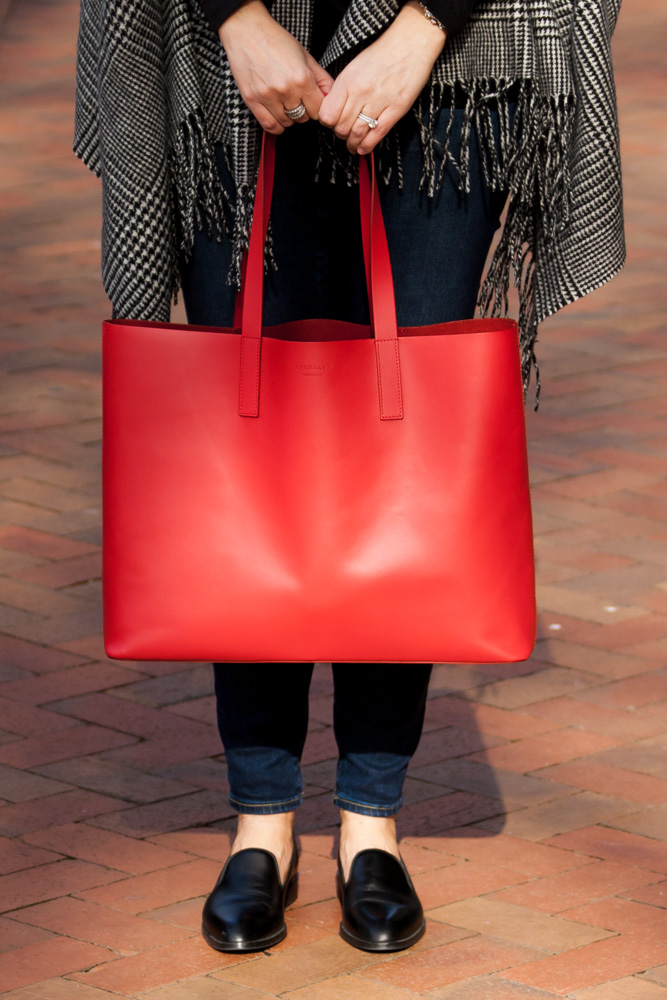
x: 378, y: 275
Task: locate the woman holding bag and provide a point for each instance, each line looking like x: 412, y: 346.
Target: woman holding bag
x: 459, y: 117
x: 438, y: 252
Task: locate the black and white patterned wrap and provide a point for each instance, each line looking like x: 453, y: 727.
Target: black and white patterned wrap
x: 155, y: 92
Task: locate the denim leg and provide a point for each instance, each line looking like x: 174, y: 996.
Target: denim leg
x: 263, y: 719
x: 378, y: 718
x: 438, y: 246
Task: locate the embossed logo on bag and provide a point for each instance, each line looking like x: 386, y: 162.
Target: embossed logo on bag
x: 313, y: 369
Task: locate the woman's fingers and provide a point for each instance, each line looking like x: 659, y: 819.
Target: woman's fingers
x: 323, y: 80
x: 304, y: 87
x: 272, y: 70
x: 333, y: 105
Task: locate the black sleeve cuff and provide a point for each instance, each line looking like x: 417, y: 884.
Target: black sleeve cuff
x: 216, y: 11
x: 453, y: 13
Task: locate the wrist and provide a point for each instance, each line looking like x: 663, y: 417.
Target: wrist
x: 248, y: 15
x: 411, y: 16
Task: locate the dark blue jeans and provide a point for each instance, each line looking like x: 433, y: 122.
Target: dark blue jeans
x: 438, y: 248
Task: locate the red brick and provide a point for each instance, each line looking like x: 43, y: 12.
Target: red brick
x: 25, y: 887
x: 592, y: 964
x: 41, y: 543
x: 109, y: 928
x: 15, y: 935
x: 203, y: 710
x: 39, y: 659
x: 435, y: 815
x: 462, y: 880
x: 629, y: 632
x: 607, y: 664
x: 158, y: 967
x: 67, y: 683
x: 157, y: 754
x: 89, y: 843
x: 596, y: 483
x: 508, y: 852
x: 316, y: 880
x: 74, y: 742
x: 64, y: 572
x: 654, y: 895
x: 38, y: 814
x: 30, y: 721
x: 186, y: 914
x: 172, y: 686
x: 41, y: 600
x: 115, y: 780
x: 43, y: 494
x: 48, y: 958
x: 173, y: 814
x: 615, y: 845
x: 202, y: 842
x: 566, y: 890
x: 496, y: 721
x: 131, y: 717
x: 21, y: 786
x: 92, y: 648
x: 612, y: 722
x: 610, y: 781
x: 541, y: 751
x: 624, y: 916
x: 652, y: 651
x: 159, y: 888
x: 628, y: 459
x: 443, y: 744
x: 636, y: 691
x: 60, y: 628
x: 449, y: 963
x: 15, y: 855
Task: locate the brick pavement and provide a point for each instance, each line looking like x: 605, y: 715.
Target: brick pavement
x: 536, y: 805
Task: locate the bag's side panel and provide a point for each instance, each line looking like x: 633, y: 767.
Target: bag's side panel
x: 315, y: 531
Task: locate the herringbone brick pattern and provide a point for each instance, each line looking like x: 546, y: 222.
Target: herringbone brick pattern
x: 536, y: 815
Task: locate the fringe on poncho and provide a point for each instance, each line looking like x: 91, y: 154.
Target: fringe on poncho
x: 155, y: 93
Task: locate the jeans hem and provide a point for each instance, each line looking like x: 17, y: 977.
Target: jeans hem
x: 366, y: 808
x: 266, y: 808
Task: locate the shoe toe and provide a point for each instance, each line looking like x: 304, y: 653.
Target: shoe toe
x: 380, y: 908
x: 383, y: 921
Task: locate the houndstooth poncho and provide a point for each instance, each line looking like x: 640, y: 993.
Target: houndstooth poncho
x: 154, y: 90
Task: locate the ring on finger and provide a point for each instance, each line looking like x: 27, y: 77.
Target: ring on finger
x: 297, y: 112
x: 371, y: 122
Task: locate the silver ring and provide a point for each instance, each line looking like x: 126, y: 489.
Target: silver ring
x: 297, y: 112
x: 371, y: 122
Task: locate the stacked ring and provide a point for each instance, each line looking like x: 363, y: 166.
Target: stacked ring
x: 371, y: 122
x: 297, y: 112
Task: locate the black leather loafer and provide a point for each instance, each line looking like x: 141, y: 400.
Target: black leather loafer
x: 246, y: 910
x: 381, y: 910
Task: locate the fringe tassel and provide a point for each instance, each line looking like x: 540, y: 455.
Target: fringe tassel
x: 197, y: 194
x: 525, y: 154
x: 200, y: 198
x: 536, y: 174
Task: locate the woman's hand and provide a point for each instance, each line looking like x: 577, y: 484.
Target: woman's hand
x: 272, y: 69
x: 383, y: 80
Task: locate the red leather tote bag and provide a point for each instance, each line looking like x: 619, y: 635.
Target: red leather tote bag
x: 318, y: 490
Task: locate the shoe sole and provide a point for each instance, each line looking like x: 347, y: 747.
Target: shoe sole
x: 259, y: 944
x: 399, y: 944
